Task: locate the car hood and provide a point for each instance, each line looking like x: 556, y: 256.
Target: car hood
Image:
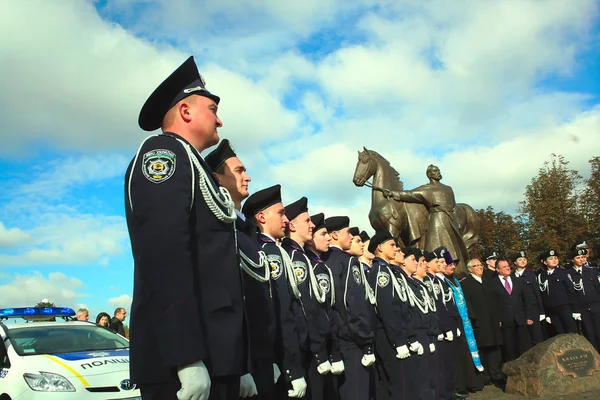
x: 85, y: 363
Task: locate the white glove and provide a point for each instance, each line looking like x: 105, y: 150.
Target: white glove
x: 431, y: 348
x: 449, y: 336
x: 247, y: 386
x: 542, y: 317
x: 195, y: 382
x: 440, y: 337
x: 324, y: 368
x: 577, y: 316
x: 337, y: 367
x: 417, y: 347
x: 298, y: 388
x: 368, y: 360
x: 276, y: 373
x: 458, y: 332
x: 402, y: 352
x: 548, y: 320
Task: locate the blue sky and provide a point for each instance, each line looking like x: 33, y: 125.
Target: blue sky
x: 487, y: 90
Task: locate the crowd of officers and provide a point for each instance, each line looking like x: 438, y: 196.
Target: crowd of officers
x: 268, y: 301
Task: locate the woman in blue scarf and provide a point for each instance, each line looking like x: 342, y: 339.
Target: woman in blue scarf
x: 468, y: 370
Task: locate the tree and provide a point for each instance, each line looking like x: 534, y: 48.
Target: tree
x: 550, y: 215
x: 499, y: 231
x: 590, y: 206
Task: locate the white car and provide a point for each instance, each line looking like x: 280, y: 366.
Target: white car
x: 66, y: 359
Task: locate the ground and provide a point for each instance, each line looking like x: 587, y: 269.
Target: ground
x: 493, y: 393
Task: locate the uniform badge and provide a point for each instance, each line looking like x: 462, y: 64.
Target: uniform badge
x: 383, y: 278
x: 158, y: 165
x: 551, y: 252
x: 323, y: 280
x: 299, y: 269
x: 275, y: 265
x: 356, y: 274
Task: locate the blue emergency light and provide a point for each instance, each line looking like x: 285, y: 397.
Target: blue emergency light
x: 28, y: 312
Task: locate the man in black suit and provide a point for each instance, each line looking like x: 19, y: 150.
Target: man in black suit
x: 486, y: 329
x: 528, y: 277
x: 512, y: 309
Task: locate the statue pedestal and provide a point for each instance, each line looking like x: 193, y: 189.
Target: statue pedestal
x: 563, y: 365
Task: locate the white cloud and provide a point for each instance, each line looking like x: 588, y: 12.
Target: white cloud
x: 12, y: 237
x: 28, y: 290
x: 123, y: 300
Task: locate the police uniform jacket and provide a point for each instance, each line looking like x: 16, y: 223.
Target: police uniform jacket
x: 425, y: 322
x: 356, y: 316
x: 314, y: 317
x: 258, y: 302
x: 556, y: 288
x: 187, y: 297
x: 289, y: 316
x: 446, y: 312
x: 324, y: 278
x: 587, y: 288
x: 531, y: 283
x: 393, y: 314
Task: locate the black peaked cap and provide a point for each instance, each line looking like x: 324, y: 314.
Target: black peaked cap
x: 490, y: 254
x: 318, y: 221
x: 219, y: 155
x: 381, y: 236
x: 517, y: 255
x: 337, y: 223
x: 261, y: 200
x: 183, y: 82
x: 296, y: 208
x: 577, y: 252
x: 364, y: 236
x: 430, y: 255
x: 547, y: 254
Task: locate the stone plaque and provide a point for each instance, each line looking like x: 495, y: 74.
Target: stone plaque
x: 576, y: 363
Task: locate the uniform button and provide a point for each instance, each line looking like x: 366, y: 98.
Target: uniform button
x: 288, y: 371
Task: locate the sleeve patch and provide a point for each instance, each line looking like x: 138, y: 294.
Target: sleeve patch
x: 357, y: 274
x: 275, y: 265
x: 158, y: 165
x: 323, y: 280
x: 299, y: 269
x: 383, y: 278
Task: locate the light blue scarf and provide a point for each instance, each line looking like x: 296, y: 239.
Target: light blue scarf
x: 459, y: 299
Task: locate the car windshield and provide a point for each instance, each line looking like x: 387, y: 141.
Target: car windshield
x: 64, y: 339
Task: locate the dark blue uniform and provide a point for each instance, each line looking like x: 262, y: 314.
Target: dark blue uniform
x: 530, y: 279
x: 314, y: 349
x: 558, y: 294
x: 291, y: 332
x: 259, y: 311
x: 187, y: 296
x: 355, y: 320
x: 394, y: 325
x: 586, y: 282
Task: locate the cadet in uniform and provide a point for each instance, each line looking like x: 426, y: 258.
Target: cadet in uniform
x: 355, y: 314
x: 367, y: 257
x: 187, y: 315
x: 232, y: 175
x: 357, y: 248
x: 557, y: 294
x: 265, y: 210
x: 313, y: 346
x: 521, y: 272
x: 587, y: 301
x: 491, y: 256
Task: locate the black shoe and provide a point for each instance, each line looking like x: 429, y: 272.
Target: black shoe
x: 462, y: 394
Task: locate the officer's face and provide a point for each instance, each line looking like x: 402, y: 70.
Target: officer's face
x: 235, y: 179
x: 410, y: 264
x: 579, y: 260
x: 399, y: 259
x: 303, y: 226
x: 204, y: 120
x: 366, y: 253
x: 503, y: 268
x: 521, y: 262
x: 388, y: 250
x: 274, y: 220
x: 421, y: 268
x: 491, y: 263
x: 357, y: 247
x: 551, y: 262
x: 344, y: 238
x: 321, y: 240
x: 432, y: 266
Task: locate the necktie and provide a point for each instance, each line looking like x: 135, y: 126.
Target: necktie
x: 507, y: 285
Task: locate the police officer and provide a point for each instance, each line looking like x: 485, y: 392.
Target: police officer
x: 187, y: 315
x: 557, y: 294
x: 587, y: 300
x: 314, y: 344
x: 367, y: 257
x: 392, y: 318
x: 491, y: 256
x: 265, y: 210
x: 527, y: 276
x: 354, y: 311
x: 232, y: 175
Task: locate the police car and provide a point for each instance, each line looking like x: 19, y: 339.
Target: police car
x: 52, y: 356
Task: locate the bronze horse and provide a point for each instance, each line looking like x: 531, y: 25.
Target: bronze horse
x: 405, y: 221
